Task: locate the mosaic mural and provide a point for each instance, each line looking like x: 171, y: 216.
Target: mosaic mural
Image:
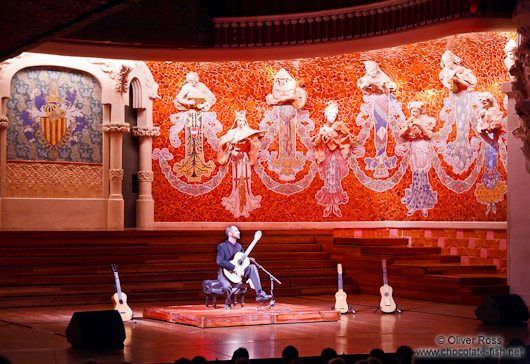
x: 245, y: 141
x: 55, y: 115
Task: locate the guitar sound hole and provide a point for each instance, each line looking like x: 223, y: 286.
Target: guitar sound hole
x: 386, y: 294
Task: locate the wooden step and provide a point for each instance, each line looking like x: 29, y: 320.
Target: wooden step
x: 471, y: 279
x: 145, y: 250
x: 448, y: 268
x: 210, y: 266
x: 371, y: 241
x: 147, y: 258
x: 396, y: 251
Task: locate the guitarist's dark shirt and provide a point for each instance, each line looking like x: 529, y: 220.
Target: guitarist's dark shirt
x: 225, y: 253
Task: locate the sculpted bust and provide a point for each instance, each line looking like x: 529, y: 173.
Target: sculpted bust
x: 194, y: 95
x: 333, y: 134
x: 238, y: 141
x: 419, y: 125
x: 285, y: 91
x: 375, y: 80
x: 454, y: 76
x: 490, y: 118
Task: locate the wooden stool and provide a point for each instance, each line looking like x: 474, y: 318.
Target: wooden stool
x: 214, y: 288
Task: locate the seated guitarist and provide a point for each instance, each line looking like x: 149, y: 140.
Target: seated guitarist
x: 225, y: 252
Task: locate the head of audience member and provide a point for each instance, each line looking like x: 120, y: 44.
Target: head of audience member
x: 516, y: 342
x: 374, y: 360
x: 240, y: 353
x: 327, y: 354
x: 183, y: 361
x: 3, y: 360
x: 199, y: 360
x: 404, y: 354
x: 243, y: 361
x: 297, y: 361
x: 90, y: 361
x: 377, y: 353
x: 337, y: 360
x: 289, y: 354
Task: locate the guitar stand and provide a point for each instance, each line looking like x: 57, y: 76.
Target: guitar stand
x: 388, y: 313
x: 350, y: 308
x: 272, y: 302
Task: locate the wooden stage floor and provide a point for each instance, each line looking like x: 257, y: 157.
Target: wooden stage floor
x: 37, y: 335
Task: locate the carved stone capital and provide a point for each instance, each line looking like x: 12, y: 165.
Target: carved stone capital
x: 118, y: 71
x: 3, y: 122
x: 146, y: 131
x: 116, y: 174
x: 116, y: 128
x: 145, y: 176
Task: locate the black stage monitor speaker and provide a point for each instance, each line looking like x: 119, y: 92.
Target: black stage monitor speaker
x: 96, y: 330
x: 503, y: 310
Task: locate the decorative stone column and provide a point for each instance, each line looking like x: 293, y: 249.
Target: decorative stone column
x: 145, y: 205
x: 115, y: 204
x: 518, y: 137
x: 3, y: 151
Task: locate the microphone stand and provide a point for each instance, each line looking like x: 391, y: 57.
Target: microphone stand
x: 272, y: 302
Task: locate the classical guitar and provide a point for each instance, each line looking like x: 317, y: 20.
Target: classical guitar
x: 387, y: 304
x: 340, y: 297
x: 241, y: 261
x: 119, y: 298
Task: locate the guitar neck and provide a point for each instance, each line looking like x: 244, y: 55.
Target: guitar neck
x: 340, y: 282
x: 118, y: 287
x: 385, y: 281
x: 249, y: 249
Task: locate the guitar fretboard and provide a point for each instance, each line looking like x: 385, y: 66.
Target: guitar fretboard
x: 339, y: 270
x: 385, y: 281
x: 117, y: 282
x: 257, y: 236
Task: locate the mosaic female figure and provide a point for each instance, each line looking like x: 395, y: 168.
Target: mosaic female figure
x: 332, y: 147
x: 490, y: 126
x: 240, y: 145
x: 418, y: 130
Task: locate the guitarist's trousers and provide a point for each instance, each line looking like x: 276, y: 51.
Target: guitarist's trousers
x: 250, y: 272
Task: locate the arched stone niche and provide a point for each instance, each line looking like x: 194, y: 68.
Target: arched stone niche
x: 62, y: 121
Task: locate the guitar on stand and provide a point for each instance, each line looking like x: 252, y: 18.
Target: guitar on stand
x: 341, y: 304
x: 119, y: 298
x: 241, y: 261
x: 387, y: 304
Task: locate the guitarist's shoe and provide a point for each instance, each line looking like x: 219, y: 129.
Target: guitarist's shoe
x: 228, y: 307
x: 262, y: 296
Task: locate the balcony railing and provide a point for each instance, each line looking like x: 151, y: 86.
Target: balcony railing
x: 350, y: 23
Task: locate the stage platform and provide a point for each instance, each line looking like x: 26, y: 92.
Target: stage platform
x: 203, y: 317
x: 36, y: 335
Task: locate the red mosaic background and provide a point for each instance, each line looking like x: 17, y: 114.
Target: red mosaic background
x: 244, y: 85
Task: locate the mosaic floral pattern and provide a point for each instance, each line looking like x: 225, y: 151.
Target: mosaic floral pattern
x: 414, y: 68
x: 55, y: 115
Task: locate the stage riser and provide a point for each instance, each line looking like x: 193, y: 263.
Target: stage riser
x: 54, y: 268
x: 418, y: 272
x: 74, y: 267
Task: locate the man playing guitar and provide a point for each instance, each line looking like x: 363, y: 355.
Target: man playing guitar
x: 225, y: 252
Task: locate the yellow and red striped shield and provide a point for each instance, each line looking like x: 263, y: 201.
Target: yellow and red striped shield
x: 53, y: 129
